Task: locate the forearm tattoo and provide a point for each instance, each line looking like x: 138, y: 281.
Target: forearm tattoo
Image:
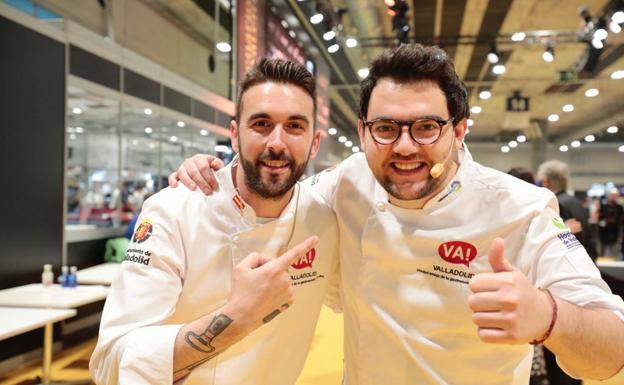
x: 274, y: 313
x: 203, y: 342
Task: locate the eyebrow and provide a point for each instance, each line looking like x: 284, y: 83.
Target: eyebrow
x: 264, y: 115
x: 432, y: 117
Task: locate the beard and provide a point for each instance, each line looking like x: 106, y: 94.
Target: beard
x: 273, y: 185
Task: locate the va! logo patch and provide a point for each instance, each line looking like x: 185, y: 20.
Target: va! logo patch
x: 143, y: 232
x: 457, y: 252
x: 306, y: 260
x: 558, y: 223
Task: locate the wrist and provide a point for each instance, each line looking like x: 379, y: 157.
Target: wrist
x: 240, y: 317
x: 552, y: 303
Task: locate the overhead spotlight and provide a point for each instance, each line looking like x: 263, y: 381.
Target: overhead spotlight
x: 363, y: 72
x: 563, y: 148
x: 618, y: 17
x: 590, y: 93
x: 568, y: 108
x: 615, y: 27
x: 181, y: 124
x: 485, y: 94
x: 351, y: 42
x: 77, y: 110
x: 576, y: 143
x: 342, y: 139
x: 617, y: 75
x: 612, y: 130
x: 223, y: 46
x: 590, y: 138
x: 148, y: 130
x: 553, y: 117
x: 173, y: 138
x: 493, y: 56
x: 316, y: 18
x: 470, y: 122
x: 521, y: 138
x: 79, y: 130
x: 355, y: 149
x: 292, y: 34
x: 499, y: 69
x: 332, y: 131
x: 549, y: 54
x: 601, y: 34
x: 505, y: 149
x: 513, y: 144
x: 72, y: 136
x: 389, y: 3
x: 348, y: 143
x: 329, y: 35
x: 621, y: 149
x: 518, y: 36
x: 147, y: 111
x: 597, y: 43
x: 203, y: 132
x: 333, y: 48
x: 476, y: 109
x: 284, y: 23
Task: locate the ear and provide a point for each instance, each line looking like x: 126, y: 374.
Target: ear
x: 234, y: 135
x: 316, y: 144
x: 362, y: 135
x: 460, y: 129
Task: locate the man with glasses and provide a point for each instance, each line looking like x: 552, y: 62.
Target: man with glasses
x: 433, y: 244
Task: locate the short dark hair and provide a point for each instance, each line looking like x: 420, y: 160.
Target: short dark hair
x: 413, y: 63
x: 522, y: 173
x: 277, y: 71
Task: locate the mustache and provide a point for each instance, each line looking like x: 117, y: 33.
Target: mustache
x: 271, y: 155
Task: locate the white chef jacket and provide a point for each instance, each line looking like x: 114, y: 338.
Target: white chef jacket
x: 179, y: 266
x: 405, y: 273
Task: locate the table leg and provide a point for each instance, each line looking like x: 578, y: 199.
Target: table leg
x: 47, y: 353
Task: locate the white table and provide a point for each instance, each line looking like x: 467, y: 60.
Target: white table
x: 103, y: 274
x: 21, y: 320
x: 55, y: 296
x: 614, y: 269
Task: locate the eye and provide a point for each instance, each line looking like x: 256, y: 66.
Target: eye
x: 261, y: 124
x: 295, y: 126
x: 429, y: 125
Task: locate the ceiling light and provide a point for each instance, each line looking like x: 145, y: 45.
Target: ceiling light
x: 333, y: 48
x: 513, y: 144
x: 292, y: 34
x: 498, y: 69
x: 505, y: 149
x: 72, y: 136
x: 615, y: 27
x: 470, y: 122
x: 148, y: 130
x: 553, y: 117
x: 549, y: 55
x: 521, y: 138
x: 181, y: 124
x: 222, y: 148
x: 135, y: 142
x: 363, y: 72
x: 389, y: 3
x: 203, y: 132
x: 284, y: 24
x: 223, y: 46
x: 316, y: 18
x: 612, y: 130
x: 590, y: 138
x: 601, y: 34
x: 493, y: 56
x: 597, y: 43
x: 563, y: 148
x: 476, y: 109
x: 332, y: 131
x: 342, y: 139
x: 147, y: 111
x: 518, y: 36
x: 617, y: 75
x: 575, y: 143
x: 329, y: 35
x: 621, y: 149
x: 79, y: 130
x: 485, y: 94
x: 351, y: 42
x: 348, y: 143
x: 590, y: 93
x: 568, y: 108
x: 174, y: 139
x: 357, y: 149
x: 77, y: 110
x: 618, y: 17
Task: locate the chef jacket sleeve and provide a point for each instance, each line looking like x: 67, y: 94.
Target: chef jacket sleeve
x: 135, y: 344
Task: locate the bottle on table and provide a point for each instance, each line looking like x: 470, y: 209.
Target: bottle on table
x: 47, y: 277
x: 63, y: 278
x: 71, y: 278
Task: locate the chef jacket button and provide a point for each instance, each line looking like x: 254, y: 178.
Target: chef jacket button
x: 235, y: 239
x: 381, y: 206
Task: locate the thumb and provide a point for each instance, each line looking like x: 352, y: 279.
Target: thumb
x: 497, y: 259
x: 216, y: 164
x: 253, y: 261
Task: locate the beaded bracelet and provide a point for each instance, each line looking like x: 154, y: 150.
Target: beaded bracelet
x: 552, y: 321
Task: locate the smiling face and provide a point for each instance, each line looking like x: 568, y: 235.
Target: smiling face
x: 275, y: 137
x: 403, y: 167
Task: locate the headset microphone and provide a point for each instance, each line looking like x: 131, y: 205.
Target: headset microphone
x: 438, y: 168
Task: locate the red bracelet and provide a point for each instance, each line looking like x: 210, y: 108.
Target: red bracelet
x: 552, y: 321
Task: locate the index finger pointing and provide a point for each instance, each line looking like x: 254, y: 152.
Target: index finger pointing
x: 297, y: 251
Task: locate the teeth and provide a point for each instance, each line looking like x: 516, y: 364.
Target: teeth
x: 275, y: 163
x: 406, y: 166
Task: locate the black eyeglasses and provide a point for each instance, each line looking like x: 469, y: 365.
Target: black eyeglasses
x: 422, y: 131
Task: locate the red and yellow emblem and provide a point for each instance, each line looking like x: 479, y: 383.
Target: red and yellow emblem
x: 143, y: 232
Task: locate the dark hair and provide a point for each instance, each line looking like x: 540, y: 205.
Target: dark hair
x: 522, y: 173
x: 413, y: 63
x: 277, y: 71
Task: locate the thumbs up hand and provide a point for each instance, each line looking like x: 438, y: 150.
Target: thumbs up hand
x: 506, y: 307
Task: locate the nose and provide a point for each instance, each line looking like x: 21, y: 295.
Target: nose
x: 405, y: 145
x: 276, y: 138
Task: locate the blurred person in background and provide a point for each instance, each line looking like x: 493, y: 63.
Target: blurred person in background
x: 610, y: 221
